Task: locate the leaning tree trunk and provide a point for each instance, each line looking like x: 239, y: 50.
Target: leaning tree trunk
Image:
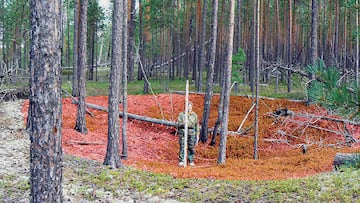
x: 112, y: 157
x: 45, y: 102
x: 228, y: 60
x: 81, y: 118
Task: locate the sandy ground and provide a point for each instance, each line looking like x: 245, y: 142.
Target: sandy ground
x: 14, y: 148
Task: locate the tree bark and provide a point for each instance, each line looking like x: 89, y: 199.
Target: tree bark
x: 81, y: 114
x: 45, y: 102
x: 210, y: 74
x: 112, y: 157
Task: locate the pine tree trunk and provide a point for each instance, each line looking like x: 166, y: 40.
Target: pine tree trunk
x: 253, y: 52
x: 313, y: 34
x: 81, y: 118
x: 131, y: 41
x: 92, y: 49
x: 357, y: 47
x: 257, y: 75
x: 141, y: 41
x: 112, y: 157
x: 228, y: 65
x: 124, y: 77
x: 210, y: 74
x: 336, y: 34
x: 202, y: 47
x: 45, y: 102
x: 75, y: 79
x: 237, y: 34
x: 277, y: 31
x: 289, y: 48
x: 2, y: 65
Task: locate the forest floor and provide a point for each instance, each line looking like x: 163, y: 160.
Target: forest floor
x: 153, y: 147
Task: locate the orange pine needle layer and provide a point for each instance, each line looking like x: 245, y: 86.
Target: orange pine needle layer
x: 155, y: 148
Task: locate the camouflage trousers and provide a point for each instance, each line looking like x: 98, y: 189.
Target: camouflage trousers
x: 191, y: 140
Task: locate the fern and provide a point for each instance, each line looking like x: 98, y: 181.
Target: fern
x: 330, y: 90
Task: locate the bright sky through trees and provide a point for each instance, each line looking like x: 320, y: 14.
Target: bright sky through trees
x: 104, y: 3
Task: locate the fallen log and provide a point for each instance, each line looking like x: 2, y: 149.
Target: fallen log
x: 85, y: 143
x: 346, y: 159
x: 134, y: 116
x: 75, y: 101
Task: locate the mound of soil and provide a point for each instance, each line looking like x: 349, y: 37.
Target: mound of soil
x: 154, y: 147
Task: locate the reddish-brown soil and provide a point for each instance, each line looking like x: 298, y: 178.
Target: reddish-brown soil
x: 153, y: 147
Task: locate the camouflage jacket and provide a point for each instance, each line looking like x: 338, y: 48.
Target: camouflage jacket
x: 192, y: 120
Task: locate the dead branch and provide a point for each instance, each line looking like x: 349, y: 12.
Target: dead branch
x: 246, y: 116
x: 12, y: 94
x: 285, y: 134
x: 276, y: 140
x: 348, y: 136
x: 339, y: 120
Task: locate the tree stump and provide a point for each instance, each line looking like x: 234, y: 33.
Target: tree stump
x: 345, y: 159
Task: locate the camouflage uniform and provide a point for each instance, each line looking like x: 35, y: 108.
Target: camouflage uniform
x: 193, y: 129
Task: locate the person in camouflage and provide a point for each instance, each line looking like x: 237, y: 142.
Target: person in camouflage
x: 192, y: 139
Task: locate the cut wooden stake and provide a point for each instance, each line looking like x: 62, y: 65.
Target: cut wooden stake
x: 186, y: 123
